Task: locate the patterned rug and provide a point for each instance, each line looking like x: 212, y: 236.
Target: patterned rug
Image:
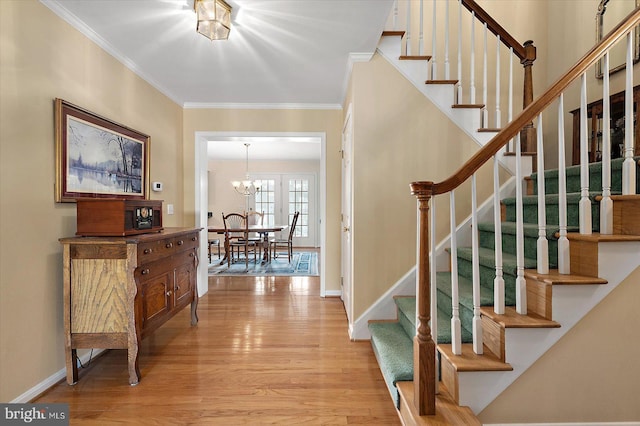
x: 302, y: 263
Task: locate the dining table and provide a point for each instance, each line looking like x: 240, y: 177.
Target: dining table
x: 262, y: 230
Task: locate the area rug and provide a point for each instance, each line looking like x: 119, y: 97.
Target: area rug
x: 302, y: 264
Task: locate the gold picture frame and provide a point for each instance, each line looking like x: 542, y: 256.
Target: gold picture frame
x: 97, y: 157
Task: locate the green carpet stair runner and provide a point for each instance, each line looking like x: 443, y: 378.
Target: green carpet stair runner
x: 393, y: 341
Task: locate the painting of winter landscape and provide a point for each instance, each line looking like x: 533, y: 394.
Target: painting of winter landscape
x: 100, y: 161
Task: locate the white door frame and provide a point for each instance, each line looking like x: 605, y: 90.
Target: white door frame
x: 346, y: 222
x: 201, y: 202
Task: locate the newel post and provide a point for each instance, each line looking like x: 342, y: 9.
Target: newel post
x: 424, y: 358
x: 528, y: 133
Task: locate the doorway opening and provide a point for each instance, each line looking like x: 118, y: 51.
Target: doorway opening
x: 206, y: 142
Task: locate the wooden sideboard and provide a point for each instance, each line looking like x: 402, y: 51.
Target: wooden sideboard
x: 594, y: 131
x: 117, y: 290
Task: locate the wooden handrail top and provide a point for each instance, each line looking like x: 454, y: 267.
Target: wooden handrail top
x: 530, y: 112
x: 497, y: 29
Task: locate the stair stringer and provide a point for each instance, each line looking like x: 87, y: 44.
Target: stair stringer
x: 523, y: 346
x: 441, y: 95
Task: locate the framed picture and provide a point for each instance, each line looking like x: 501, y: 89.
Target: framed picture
x: 98, y: 158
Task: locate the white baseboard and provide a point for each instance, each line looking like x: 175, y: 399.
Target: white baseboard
x: 52, y: 380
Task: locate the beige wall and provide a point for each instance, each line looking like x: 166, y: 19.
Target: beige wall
x: 41, y: 61
x: 590, y: 375
x: 399, y: 137
x: 275, y: 121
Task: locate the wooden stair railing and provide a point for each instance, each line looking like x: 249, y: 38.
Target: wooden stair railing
x: 526, y: 52
x: 424, y: 346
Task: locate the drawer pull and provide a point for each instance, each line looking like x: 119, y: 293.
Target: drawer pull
x: 180, y: 242
x: 169, y: 293
x: 177, y: 288
x: 145, y: 271
x: 194, y: 238
x: 192, y: 254
x: 169, y: 245
x: 147, y: 251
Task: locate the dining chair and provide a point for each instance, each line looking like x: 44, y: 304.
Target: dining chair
x: 255, y: 218
x: 236, y: 234
x: 281, y: 243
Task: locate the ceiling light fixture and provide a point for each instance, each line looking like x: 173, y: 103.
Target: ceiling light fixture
x: 246, y: 187
x: 214, y: 18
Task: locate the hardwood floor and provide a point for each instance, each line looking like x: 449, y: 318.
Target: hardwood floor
x: 266, y: 351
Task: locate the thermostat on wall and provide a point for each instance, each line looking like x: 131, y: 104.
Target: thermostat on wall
x: 156, y: 186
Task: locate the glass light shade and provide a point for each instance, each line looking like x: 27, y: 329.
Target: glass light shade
x: 214, y: 19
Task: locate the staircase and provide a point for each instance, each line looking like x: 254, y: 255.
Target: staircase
x: 491, y: 350
x: 392, y: 341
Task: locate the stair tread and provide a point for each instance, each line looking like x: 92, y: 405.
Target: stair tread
x: 556, y: 278
x: 448, y: 412
x: 597, y: 237
x: 512, y: 319
x: 470, y: 361
x: 572, y: 198
x: 414, y: 57
x: 395, y: 350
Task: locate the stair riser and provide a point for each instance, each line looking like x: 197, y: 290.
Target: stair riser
x: 406, y: 323
x: 487, y: 239
x: 595, y: 179
x: 530, y: 214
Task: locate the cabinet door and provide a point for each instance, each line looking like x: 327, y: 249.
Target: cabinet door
x: 155, y: 292
x: 184, y: 285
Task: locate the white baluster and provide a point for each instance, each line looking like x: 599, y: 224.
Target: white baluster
x: 498, y: 118
x: 563, y: 242
x: 510, y: 94
x: 434, y: 45
x: 421, y: 35
x: 585, y: 203
x: 628, y: 166
x: 475, y: 264
x: 407, y: 39
x: 447, y: 74
x: 395, y: 15
x: 456, y: 331
x: 498, y: 281
x: 542, y: 244
x: 606, y: 204
x: 485, y: 110
x: 472, y: 70
x: 521, y: 284
x: 459, y: 87
x: 434, y: 286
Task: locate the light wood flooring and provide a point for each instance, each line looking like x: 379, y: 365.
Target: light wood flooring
x: 266, y: 351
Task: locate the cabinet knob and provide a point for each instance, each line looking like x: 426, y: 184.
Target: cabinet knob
x: 180, y: 242
x: 147, y: 251
x: 169, y: 293
x: 192, y: 254
x: 145, y: 271
x: 177, y: 288
x: 194, y: 238
x: 169, y: 245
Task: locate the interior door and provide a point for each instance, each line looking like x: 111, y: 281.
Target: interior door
x: 347, y: 244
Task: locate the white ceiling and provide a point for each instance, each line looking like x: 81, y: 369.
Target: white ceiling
x: 280, y: 54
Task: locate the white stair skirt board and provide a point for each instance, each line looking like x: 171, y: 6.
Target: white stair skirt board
x: 570, y: 305
x: 384, y: 307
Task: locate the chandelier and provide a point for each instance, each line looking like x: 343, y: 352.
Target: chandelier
x: 246, y: 187
x: 214, y: 18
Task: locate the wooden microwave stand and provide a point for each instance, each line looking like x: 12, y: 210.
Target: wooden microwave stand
x: 118, y: 290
